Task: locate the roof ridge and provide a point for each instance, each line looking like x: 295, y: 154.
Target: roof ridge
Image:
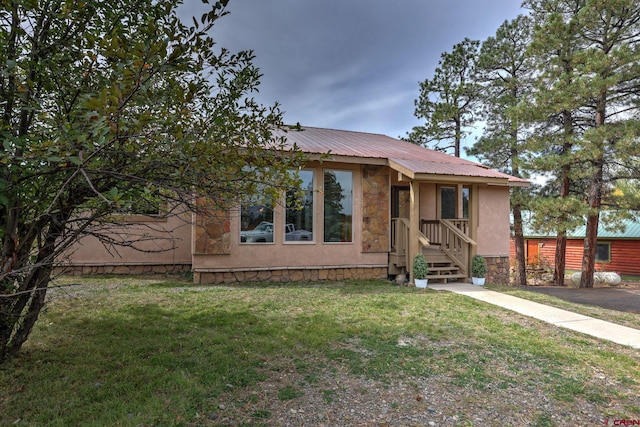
x: 301, y: 126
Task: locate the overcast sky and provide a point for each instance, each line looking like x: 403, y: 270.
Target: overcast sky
x: 353, y: 64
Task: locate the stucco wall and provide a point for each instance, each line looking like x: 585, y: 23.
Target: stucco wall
x: 493, y: 221
x: 428, y: 201
x: 163, y: 242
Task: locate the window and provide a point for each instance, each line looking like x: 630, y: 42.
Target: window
x: 145, y: 205
x: 603, y: 252
x: 465, y: 203
x: 338, y: 206
x: 256, y: 223
x: 142, y: 205
x: 449, y: 202
x: 299, y: 208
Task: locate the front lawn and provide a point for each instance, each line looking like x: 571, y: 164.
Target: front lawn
x: 146, y: 352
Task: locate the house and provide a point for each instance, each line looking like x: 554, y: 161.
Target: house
x: 617, y: 250
x: 368, y: 207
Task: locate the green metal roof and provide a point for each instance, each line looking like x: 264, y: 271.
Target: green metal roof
x: 630, y: 230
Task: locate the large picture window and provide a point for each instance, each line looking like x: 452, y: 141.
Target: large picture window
x: 299, y: 208
x: 338, y: 206
x: 256, y: 223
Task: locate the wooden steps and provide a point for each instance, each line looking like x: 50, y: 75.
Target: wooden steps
x: 440, y: 266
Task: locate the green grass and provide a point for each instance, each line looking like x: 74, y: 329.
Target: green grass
x: 158, y: 351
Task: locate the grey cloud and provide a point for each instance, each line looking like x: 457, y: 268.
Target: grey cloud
x: 352, y: 64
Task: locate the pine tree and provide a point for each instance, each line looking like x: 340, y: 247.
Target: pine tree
x: 504, y: 71
x: 447, y: 101
x: 589, y: 62
x: 556, y: 120
x: 610, y: 71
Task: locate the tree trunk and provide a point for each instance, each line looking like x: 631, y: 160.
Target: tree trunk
x: 561, y: 238
x: 23, y: 295
x: 518, y: 237
x: 31, y: 315
x: 21, y: 309
x: 589, y: 256
x: 560, y: 258
x: 458, y: 138
x: 595, y: 203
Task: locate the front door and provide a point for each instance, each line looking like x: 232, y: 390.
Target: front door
x: 532, y: 252
x: 400, y: 202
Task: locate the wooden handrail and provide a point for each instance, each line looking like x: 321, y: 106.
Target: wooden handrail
x: 458, y: 232
x: 453, y: 239
x: 400, y: 238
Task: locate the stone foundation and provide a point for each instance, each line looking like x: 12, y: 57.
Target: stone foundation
x: 498, y: 270
x: 290, y: 275
x: 80, y: 270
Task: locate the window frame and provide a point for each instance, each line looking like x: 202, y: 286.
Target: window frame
x: 313, y: 214
x: 324, y: 210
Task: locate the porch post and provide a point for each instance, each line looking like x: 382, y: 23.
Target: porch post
x: 414, y: 225
x: 474, y: 218
x: 459, y: 201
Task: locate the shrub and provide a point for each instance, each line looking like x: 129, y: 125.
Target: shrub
x: 420, y: 267
x: 478, y: 266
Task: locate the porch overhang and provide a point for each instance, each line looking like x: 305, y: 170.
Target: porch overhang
x: 460, y: 171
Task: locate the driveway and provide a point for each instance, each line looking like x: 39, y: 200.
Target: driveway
x: 620, y: 299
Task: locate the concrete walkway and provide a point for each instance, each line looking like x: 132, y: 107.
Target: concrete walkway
x: 565, y: 319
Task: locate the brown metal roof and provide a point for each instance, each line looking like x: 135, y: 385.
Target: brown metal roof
x: 403, y: 156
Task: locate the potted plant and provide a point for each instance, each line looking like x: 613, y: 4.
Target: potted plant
x: 478, y: 270
x: 420, y: 271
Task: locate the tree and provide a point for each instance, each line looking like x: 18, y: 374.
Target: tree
x: 597, y: 84
x: 504, y: 70
x: 446, y: 102
x: 104, y: 103
x: 557, y: 122
x: 611, y: 66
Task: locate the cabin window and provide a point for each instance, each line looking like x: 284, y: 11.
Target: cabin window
x: 603, y: 252
x: 338, y: 206
x: 256, y: 222
x: 299, y: 210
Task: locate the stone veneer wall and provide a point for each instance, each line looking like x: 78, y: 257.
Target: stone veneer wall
x: 498, y: 270
x: 79, y: 270
x: 375, y: 209
x: 212, y: 232
x: 291, y: 275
